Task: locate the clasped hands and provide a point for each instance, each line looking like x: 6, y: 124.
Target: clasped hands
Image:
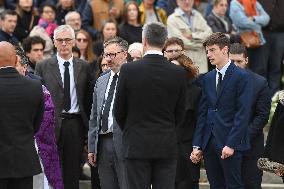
x: 196, y: 154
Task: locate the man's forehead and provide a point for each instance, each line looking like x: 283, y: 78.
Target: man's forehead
x: 112, y: 47
x: 64, y: 34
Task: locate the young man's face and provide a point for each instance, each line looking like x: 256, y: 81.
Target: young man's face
x: 217, y: 55
x: 36, y: 53
x: 239, y: 59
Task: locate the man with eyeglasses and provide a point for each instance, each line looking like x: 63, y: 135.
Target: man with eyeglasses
x: 73, y: 19
x: 33, y: 46
x: 105, y: 137
x: 67, y: 78
x: 173, y: 47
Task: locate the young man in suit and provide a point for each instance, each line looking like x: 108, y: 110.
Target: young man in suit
x: 21, y: 108
x: 221, y: 133
x: 67, y: 79
x: 149, y: 105
x: 105, y: 137
x: 261, y: 103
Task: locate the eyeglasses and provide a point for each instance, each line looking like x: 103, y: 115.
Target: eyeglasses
x: 174, y: 50
x: 81, y: 40
x: 111, y: 55
x: 66, y: 40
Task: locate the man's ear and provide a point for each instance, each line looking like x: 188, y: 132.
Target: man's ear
x: 17, y: 61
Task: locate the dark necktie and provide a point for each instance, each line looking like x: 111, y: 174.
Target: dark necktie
x: 67, y: 98
x: 106, y: 109
x: 219, y: 84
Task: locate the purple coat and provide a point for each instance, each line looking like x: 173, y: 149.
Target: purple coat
x: 47, y: 147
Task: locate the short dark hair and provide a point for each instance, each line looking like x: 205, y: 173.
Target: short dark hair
x: 30, y: 41
x: 47, y: 4
x: 219, y: 39
x: 155, y: 33
x: 173, y: 41
x: 238, y: 48
x: 8, y: 12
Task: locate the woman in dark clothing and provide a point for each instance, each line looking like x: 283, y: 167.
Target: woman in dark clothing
x: 187, y: 173
x: 220, y: 22
x: 27, y: 19
x: 274, y: 150
x: 131, y: 28
x: 63, y: 7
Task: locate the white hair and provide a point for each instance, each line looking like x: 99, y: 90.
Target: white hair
x: 64, y: 28
x: 68, y: 15
x: 136, y: 46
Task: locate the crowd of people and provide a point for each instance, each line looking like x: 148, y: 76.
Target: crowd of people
x: 141, y: 91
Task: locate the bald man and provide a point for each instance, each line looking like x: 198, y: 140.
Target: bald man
x: 21, y: 110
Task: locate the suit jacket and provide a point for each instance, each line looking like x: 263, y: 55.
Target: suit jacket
x: 149, y: 105
x: 48, y: 69
x: 261, y: 103
x: 94, y: 124
x: 21, y: 110
x: 225, y: 116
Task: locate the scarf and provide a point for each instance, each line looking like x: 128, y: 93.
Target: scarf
x: 249, y: 6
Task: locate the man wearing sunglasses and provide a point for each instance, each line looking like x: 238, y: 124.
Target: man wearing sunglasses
x: 105, y: 137
x: 67, y: 79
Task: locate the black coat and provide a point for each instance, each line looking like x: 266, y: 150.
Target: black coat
x: 275, y: 141
x: 149, y: 106
x: 21, y: 108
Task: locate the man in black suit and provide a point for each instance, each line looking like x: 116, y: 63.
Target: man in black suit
x: 149, y: 105
x: 67, y: 79
x: 21, y: 110
x: 261, y: 101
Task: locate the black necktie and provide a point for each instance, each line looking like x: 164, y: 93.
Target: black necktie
x: 219, y: 84
x: 67, y: 98
x: 106, y: 109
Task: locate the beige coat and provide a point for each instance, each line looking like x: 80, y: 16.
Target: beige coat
x: 178, y: 27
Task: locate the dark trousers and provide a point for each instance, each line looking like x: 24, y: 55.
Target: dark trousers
x: 95, y: 178
x: 252, y: 176
x: 17, y: 183
x: 222, y: 173
x: 111, y: 168
x: 70, y: 146
x: 141, y: 173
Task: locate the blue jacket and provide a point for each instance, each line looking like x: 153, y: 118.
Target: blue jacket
x: 225, y: 116
x: 242, y: 21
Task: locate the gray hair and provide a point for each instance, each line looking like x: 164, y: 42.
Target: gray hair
x: 155, y: 33
x: 64, y: 28
x: 119, y: 41
x: 68, y: 15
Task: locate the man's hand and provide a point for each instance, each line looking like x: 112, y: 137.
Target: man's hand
x: 92, y: 159
x: 227, y: 152
x: 195, y: 155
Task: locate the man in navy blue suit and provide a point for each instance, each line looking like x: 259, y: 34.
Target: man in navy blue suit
x: 221, y: 134
x: 261, y: 102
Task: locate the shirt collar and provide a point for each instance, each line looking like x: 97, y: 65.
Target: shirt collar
x: 224, y: 69
x: 70, y: 60
x: 6, y: 67
x: 182, y: 13
x: 112, y: 73
x: 153, y: 52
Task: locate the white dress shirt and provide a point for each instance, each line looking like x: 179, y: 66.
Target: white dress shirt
x: 74, y: 102
x: 222, y: 71
x: 110, y: 115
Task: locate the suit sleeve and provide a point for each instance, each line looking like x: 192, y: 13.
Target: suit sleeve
x: 201, y: 120
x: 244, y: 100
x: 120, y: 108
x: 93, y: 125
x: 261, y: 111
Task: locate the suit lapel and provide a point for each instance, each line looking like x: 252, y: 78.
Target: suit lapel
x: 226, y: 79
x: 55, y: 71
x: 77, y: 68
x: 102, y: 89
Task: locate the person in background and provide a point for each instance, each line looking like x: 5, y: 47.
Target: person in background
x: 22, y: 107
x: 173, y: 48
x: 63, y: 7
x: 189, y: 25
x: 8, y: 24
x: 73, y: 19
x: 136, y: 51
x: 151, y: 13
x: 33, y: 47
x: 131, y: 28
x: 109, y: 30
x: 84, y: 43
x: 187, y: 173
x: 220, y: 22
x: 47, y: 18
x: 27, y: 18
x: 261, y: 103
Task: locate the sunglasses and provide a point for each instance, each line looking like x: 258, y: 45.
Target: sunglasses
x: 81, y: 40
